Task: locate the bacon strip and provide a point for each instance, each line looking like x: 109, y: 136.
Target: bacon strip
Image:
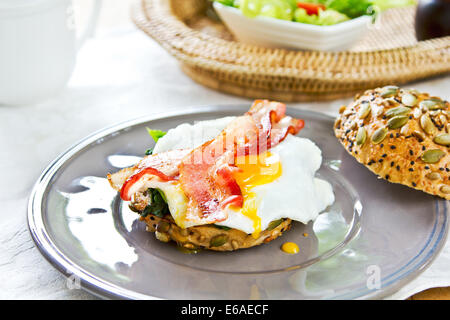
x: 162, y: 166
x: 124, y: 192
x: 280, y: 130
x: 274, y: 124
x: 205, y: 174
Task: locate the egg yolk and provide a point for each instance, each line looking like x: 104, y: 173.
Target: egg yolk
x: 255, y: 170
x: 290, y: 247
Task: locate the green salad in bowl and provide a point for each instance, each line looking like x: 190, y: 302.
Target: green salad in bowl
x: 316, y: 12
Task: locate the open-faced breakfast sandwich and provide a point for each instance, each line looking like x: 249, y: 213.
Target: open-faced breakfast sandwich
x: 401, y: 135
x: 229, y: 183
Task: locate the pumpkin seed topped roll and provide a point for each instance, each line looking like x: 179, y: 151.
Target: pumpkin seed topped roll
x: 401, y: 135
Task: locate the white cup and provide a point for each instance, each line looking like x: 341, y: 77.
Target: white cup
x: 38, y: 48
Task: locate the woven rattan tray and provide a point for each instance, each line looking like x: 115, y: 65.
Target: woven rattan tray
x: 389, y: 54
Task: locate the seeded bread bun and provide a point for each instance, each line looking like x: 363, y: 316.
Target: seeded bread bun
x: 211, y: 237
x: 403, y: 136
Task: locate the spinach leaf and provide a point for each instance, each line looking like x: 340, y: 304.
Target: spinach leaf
x: 148, y: 151
x: 221, y: 227
x: 158, y: 205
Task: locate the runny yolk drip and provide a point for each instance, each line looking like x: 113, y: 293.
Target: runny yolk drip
x: 255, y: 170
x: 290, y: 247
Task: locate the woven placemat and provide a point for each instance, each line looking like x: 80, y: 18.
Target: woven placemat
x: 389, y: 54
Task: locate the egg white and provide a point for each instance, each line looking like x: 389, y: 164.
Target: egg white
x: 190, y: 136
x: 296, y: 194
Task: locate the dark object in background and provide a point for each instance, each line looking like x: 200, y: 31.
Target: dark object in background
x: 432, y: 19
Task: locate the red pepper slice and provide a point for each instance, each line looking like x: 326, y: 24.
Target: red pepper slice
x: 133, y: 179
x: 311, y: 8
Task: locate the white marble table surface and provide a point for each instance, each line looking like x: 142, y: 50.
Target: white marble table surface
x: 119, y: 75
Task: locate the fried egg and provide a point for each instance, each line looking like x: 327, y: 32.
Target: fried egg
x: 279, y: 183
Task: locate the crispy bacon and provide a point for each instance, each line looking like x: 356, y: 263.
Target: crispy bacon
x: 205, y: 174
x: 274, y: 125
x: 205, y: 177
x: 124, y: 192
x: 163, y: 166
x: 280, y: 130
x: 165, y: 162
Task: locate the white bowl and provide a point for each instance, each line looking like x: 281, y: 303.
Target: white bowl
x: 276, y: 33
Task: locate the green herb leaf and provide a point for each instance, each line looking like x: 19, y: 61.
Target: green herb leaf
x: 156, y: 134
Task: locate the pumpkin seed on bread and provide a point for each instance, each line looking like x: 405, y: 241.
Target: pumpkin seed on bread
x: 401, y: 135
x: 211, y: 237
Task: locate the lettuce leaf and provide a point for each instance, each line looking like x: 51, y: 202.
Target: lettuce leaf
x: 324, y: 18
x: 229, y: 3
x: 387, y: 4
x: 285, y: 9
x: 351, y: 8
